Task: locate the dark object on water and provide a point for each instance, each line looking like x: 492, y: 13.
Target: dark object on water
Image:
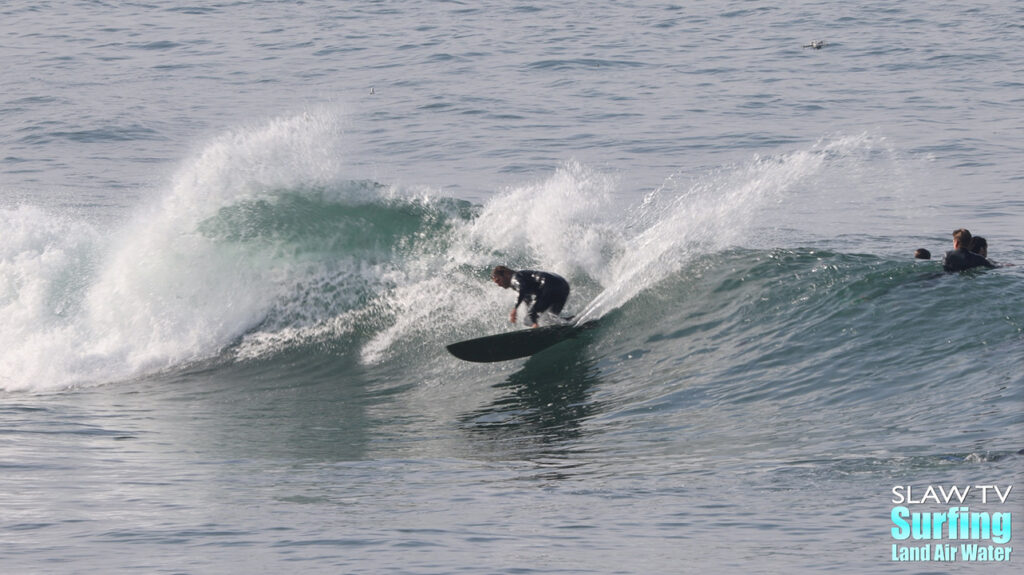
x: 514, y: 344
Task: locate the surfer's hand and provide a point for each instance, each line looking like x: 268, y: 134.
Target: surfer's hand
x: 535, y: 325
x: 512, y: 316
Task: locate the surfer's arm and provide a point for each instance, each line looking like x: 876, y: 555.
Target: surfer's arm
x: 525, y: 285
x: 515, y: 309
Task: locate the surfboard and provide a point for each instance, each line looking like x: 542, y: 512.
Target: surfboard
x: 513, y: 344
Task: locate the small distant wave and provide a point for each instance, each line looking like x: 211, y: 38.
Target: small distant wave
x: 584, y: 64
x: 39, y: 135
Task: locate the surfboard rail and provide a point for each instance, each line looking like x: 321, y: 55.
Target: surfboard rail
x: 513, y: 344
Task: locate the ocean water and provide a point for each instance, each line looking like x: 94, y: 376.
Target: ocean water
x: 235, y: 238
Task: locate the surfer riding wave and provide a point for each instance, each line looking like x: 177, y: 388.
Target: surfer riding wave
x: 545, y: 291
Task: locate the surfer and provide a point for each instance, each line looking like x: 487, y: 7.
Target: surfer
x: 922, y: 254
x: 545, y: 292
x: 961, y: 258
x: 979, y: 245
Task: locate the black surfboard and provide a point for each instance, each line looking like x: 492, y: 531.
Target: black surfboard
x: 513, y: 344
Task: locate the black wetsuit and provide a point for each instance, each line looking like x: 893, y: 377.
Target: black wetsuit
x: 961, y: 259
x: 545, y: 292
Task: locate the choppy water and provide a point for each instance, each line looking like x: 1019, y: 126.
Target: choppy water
x: 235, y: 238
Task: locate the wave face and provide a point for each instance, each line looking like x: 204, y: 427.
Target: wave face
x: 260, y: 248
x: 190, y: 274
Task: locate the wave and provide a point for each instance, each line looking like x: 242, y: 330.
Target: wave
x: 261, y: 246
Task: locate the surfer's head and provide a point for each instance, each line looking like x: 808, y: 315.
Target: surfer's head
x: 923, y: 254
x: 961, y: 239
x: 502, y: 276
x: 979, y: 245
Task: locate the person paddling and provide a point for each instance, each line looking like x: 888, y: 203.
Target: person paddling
x: 961, y: 258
